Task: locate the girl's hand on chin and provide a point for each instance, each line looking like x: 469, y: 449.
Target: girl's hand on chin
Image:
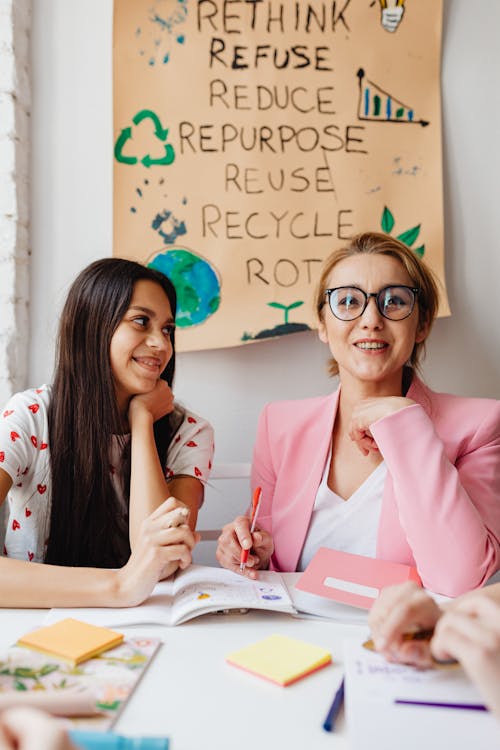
x: 157, y: 403
x: 368, y: 411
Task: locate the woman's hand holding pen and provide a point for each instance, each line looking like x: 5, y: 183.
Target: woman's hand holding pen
x: 399, y: 611
x: 470, y: 633
x: 236, y: 536
x: 164, y: 544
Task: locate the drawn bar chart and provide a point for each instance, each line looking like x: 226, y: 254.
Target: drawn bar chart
x: 377, y: 105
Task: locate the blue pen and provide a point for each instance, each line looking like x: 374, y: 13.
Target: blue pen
x: 331, y: 717
x: 111, y: 741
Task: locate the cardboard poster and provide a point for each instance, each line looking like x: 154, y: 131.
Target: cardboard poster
x: 253, y: 137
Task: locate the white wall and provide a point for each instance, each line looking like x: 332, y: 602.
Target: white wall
x: 72, y: 218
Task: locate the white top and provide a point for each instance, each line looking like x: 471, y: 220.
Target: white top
x: 347, y: 525
x: 25, y: 456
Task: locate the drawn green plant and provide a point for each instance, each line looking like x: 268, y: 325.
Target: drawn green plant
x: 408, y: 237
x: 286, y: 308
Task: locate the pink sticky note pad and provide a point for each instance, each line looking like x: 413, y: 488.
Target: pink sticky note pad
x: 352, y: 579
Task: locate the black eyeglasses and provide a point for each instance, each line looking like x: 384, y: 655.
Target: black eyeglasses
x: 393, y: 302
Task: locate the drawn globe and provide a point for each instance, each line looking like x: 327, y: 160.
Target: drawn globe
x: 196, y: 283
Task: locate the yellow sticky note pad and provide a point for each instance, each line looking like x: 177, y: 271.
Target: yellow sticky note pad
x: 71, y: 640
x: 280, y: 659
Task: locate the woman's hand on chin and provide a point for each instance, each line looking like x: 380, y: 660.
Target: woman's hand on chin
x: 369, y: 411
x: 156, y: 403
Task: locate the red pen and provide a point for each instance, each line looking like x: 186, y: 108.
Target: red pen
x: 253, y: 520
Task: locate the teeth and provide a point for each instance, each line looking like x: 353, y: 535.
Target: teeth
x: 371, y: 345
x: 149, y: 362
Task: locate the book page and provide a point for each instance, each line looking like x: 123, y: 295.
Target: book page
x: 201, y: 589
x: 196, y: 591
x: 374, y: 719
x: 156, y: 610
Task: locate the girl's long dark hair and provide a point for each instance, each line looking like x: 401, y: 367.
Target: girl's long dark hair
x: 89, y: 525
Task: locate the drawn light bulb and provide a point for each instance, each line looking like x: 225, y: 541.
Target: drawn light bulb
x: 392, y: 13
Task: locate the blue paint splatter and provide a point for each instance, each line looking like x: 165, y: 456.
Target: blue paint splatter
x: 184, y: 201
x: 163, y: 31
x: 161, y: 22
x: 133, y: 210
x: 139, y: 192
x: 138, y: 31
x: 177, y: 228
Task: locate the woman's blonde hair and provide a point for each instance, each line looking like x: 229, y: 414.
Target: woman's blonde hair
x: 376, y: 243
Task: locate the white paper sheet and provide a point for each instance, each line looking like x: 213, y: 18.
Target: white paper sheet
x: 375, y: 721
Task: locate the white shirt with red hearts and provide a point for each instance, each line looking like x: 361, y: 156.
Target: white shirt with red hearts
x: 25, y: 457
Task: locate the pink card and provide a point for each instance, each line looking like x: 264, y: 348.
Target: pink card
x: 352, y: 579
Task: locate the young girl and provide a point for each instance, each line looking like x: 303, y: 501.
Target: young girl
x: 102, y: 468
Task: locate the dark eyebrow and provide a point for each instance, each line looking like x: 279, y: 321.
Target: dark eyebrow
x: 148, y: 311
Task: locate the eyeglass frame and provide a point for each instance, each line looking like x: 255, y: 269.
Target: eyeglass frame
x: 416, y: 291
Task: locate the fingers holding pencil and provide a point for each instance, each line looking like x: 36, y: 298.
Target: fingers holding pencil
x: 236, y: 537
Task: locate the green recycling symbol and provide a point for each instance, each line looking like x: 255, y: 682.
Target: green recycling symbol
x: 160, y: 133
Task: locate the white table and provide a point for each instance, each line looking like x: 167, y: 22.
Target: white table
x: 192, y: 695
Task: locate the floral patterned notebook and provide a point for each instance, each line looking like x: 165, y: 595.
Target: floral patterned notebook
x: 111, y: 677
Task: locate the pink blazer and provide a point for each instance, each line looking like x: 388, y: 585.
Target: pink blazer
x: 441, y: 502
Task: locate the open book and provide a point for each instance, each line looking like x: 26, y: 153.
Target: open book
x: 202, y: 589
x: 198, y: 590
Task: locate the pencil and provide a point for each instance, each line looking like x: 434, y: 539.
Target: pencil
x: 331, y: 717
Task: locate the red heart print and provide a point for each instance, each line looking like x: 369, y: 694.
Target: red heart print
x: 34, y: 408
x: 27, y: 512
x: 19, y: 484
x: 38, y: 390
x: 41, y: 488
x: 34, y: 440
x: 43, y: 446
x: 25, y: 471
x: 191, y: 420
x: 15, y: 525
x: 14, y: 436
x: 209, y: 464
x: 8, y: 412
x: 2, y: 457
x: 170, y: 473
x: 31, y: 555
x: 191, y: 444
x: 177, y: 438
x: 4, y: 549
x: 197, y: 472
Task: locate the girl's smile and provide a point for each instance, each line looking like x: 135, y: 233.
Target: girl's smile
x: 141, y: 346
